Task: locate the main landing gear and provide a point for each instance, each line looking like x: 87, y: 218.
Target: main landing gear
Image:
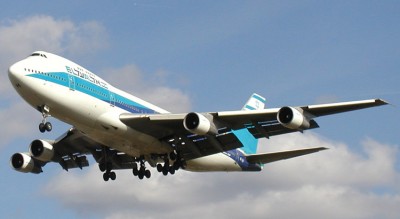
x: 139, y: 167
x: 142, y: 171
x: 44, y: 125
x: 171, y: 169
x: 106, y: 165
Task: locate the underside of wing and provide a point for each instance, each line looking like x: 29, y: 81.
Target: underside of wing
x: 276, y: 156
x: 202, y: 134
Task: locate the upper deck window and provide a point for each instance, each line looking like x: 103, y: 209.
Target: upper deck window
x: 39, y: 54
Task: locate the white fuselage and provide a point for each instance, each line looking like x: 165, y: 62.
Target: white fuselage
x: 80, y: 98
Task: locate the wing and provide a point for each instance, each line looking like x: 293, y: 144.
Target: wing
x: 276, y: 156
x: 70, y: 151
x: 201, y: 134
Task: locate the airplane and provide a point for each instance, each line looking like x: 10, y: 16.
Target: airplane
x: 122, y: 131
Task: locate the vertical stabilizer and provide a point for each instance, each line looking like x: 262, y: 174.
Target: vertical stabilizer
x: 255, y: 102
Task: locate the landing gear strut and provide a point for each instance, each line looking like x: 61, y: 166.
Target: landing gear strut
x: 106, y: 167
x: 44, y: 125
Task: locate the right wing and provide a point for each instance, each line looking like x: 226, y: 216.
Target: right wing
x: 70, y: 151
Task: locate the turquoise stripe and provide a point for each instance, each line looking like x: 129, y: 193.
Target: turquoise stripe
x: 249, y: 107
x: 258, y: 98
x: 98, y: 92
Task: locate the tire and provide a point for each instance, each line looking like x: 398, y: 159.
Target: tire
x: 172, y: 156
x: 159, y: 168
x: 106, y: 176
x: 165, y: 171
x: 141, y: 175
x: 102, y: 167
x: 147, y: 173
x: 42, y: 128
x: 113, y: 176
x: 48, y: 126
x: 135, y: 172
x: 177, y: 165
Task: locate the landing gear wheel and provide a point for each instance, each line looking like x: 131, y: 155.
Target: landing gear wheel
x: 113, y: 176
x: 172, y: 170
x: 42, y: 127
x: 177, y: 165
x: 106, y: 176
x: 141, y: 175
x: 135, y: 171
x: 159, y: 168
x: 102, y: 167
x: 147, y: 173
x: 172, y: 155
x: 48, y: 126
x: 165, y: 171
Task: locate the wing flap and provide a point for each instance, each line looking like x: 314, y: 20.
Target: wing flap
x: 276, y: 156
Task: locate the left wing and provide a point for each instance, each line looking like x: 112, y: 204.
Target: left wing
x: 201, y: 134
x: 276, y: 156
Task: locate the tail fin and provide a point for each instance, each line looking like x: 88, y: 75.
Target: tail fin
x: 255, y: 102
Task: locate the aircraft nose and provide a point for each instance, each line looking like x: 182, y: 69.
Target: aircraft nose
x: 13, y: 71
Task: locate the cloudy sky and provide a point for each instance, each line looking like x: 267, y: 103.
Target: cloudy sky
x: 210, y: 56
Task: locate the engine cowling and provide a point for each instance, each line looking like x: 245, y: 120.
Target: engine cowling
x: 292, y: 118
x: 199, y: 124
x: 41, y: 150
x: 24, y: 163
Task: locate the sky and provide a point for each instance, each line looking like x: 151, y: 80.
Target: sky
x: 211, y: 56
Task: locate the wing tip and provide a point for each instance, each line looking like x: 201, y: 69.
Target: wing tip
x: 381, y: 102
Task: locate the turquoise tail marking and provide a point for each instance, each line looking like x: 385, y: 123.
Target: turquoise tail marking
x: 247, y: 139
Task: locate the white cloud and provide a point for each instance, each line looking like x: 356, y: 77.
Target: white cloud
x: 21, y: 37
x: 338, y: 183
x: 338, y: 165
x: 14, y: 121
x: 151, y: 88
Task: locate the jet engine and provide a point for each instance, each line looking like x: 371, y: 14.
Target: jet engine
x: 41, y: 150
x: 24, y: 163
x: 200, y: 124
x: 293, y: 118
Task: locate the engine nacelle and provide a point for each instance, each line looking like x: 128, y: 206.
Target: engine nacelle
x: 24, y: 163
x: 200, y: 124
x: 41, y: 150
x: 293, y: 118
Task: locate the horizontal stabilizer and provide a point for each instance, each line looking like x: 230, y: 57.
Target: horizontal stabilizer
x: 276, y: 156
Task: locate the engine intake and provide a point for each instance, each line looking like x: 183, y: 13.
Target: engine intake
x: 293, y: 118
x: 41, y: 150
x: 200, y: 124
x: 24, y: 163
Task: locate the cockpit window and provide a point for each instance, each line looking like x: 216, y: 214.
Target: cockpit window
x: 39, y: 54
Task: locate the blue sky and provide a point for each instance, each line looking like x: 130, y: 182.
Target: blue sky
x: 210, y: 56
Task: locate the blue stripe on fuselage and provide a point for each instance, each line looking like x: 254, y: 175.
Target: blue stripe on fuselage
x: 241, y: 160
x: 96, y: 91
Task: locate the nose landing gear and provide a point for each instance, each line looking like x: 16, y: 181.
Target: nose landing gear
x: 44, y: 125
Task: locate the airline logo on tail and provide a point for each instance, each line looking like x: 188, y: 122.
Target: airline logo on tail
x: 255, y: 102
